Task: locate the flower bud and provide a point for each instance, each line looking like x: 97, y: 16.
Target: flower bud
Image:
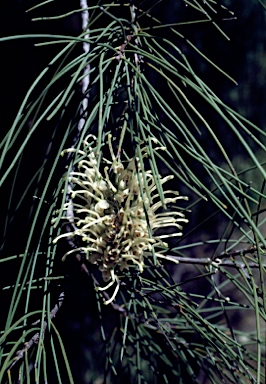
x: 101, y: 206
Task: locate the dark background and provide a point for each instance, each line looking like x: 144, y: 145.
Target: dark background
x: 243, y: 57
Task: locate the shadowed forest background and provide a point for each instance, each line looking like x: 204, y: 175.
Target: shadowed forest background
x: 243, y: 58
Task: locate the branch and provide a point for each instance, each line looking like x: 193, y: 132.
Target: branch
x: 86, y: 49
x: 35, y: 339
x: 218, y: 260
x: 207, y: 261
x: 242, y: 252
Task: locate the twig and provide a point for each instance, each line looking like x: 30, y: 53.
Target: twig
x: 122, y: 48
x: 86, y: 79
x: 35, y: 339
x: 241, y: 252
x: 208, y: 261
x: 218, y: 259
x: 215, y: 263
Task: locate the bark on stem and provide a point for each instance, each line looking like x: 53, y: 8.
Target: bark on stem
x: 86, y: 78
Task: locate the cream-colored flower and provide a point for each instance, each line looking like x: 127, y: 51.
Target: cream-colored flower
x: 116, y: 218
x: 101, y: 206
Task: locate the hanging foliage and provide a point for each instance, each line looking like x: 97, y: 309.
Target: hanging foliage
x: 138, y: 190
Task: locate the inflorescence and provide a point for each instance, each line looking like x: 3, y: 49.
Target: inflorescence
x: 116, y: 213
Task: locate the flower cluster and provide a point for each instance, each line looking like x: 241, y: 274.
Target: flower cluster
x: 116, y: 213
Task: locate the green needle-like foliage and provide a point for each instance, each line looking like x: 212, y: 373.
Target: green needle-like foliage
x: 118, y: 109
